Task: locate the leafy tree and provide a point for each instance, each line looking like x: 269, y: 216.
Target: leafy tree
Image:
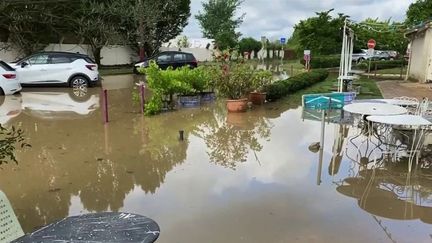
x: 30, y: 25
x: 151, y: 23
x: 248, y: 45
x: 218, y: 22
x: 95, y: 22
x: 321, y: 33
x: 419, y: 12
x: 388, y: 35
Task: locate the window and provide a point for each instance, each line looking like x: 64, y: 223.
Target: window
x: 38, y: 59
x: 179, y: 57
x: 60, y: 59
x: 164, y: 58
x: 6, y: 67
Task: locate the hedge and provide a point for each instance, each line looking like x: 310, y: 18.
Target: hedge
x: 382, y: 64
x: 324, y: 62
x: 282, y: 88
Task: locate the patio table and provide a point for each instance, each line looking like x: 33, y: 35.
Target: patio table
x: 404, y: 103
x: 98, y: 227
x: 400, y: 120
x: 375, y: 109
x: 416, y: 123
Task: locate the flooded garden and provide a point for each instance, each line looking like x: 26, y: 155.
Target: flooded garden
x: 248, y: 177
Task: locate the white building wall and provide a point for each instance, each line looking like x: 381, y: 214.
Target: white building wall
x: 421, y: 51
x: 111, y: 55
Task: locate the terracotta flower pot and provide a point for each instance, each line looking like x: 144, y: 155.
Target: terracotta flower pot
x: 237, y: 105
x: 257, y: 98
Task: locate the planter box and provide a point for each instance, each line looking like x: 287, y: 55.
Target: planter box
x: 189, y: 101
x: 208, y: 96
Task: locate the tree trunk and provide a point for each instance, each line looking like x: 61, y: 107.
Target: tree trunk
x: 97, y: 54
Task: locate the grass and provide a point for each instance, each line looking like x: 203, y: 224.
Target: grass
x: 391, y: 71
x: 369, y: 89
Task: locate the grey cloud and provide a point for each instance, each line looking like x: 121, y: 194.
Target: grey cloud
x: 276, y: 18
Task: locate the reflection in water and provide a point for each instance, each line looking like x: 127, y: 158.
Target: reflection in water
x: 382, y: 185
x: 137, y: 164
x: 60, y: 103
x: 10, y: 107
x: 230, y: 142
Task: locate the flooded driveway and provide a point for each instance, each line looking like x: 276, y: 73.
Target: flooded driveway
x: 235, y: 178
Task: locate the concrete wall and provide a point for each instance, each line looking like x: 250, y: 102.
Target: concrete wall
x: 116, y: 55
x: 421, y: 54
x: 111, y: 55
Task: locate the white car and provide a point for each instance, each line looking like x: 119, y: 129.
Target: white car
x: 9, y: 83
x: 44, y: 68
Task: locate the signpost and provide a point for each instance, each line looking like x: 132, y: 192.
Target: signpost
x: 307, y: 58
x: 283, y: 40
x: 371, y: 51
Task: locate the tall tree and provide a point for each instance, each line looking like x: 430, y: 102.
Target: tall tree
x: 218, y: 21
x: 151, y: 23
x: 321, y: 33
x: 248, y: 45
x: 96, y: 23
x: 387, y: 34
x: 31, y: 25
x: 419, y: 12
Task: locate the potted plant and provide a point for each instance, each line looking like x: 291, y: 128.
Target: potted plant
x: 235, y: 82
x: 260, y: 80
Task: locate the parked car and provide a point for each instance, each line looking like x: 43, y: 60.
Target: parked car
x: 167, y: 59
x: 73, y: 69
x: 9, y: 83
x: 378, y: 55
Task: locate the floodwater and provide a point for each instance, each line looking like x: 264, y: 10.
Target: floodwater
x: 235, y: 178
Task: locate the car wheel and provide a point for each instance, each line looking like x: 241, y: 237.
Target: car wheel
x: 383, y: 59
x: 79, y: 94
x: 79, y: 81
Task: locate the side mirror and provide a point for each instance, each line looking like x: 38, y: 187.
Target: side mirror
x: 24, y: 64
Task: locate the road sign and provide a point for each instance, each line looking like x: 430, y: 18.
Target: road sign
x: 371, y: 44
x: 307, y: 52
x: 283, y: 40
x: 370, y: 52
x: 306, y: 57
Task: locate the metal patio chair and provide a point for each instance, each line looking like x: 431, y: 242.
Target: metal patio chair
x: 10, y: 228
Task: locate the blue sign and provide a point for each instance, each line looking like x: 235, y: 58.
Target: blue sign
x: 283, y: 40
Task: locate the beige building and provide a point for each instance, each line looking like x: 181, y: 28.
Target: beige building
x: 420, y: 61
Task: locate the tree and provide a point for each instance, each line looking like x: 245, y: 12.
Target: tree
x: 388, y: 35
x: 419, y: 12
x: 151, y: 23
x: 249, y: 45
x: 95, y: 22
x: 31, y: 25
x: 218, y: 22
x: 321, y: 34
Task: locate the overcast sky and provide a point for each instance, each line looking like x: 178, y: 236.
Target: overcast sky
x: 276, y: 18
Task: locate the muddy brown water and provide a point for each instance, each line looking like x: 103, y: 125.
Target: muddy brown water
x: 235, y: 178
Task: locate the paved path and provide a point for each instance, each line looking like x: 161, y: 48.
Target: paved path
x: 391, y: 89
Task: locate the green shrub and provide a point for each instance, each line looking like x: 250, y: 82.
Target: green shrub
x: 282, y: 88
x: 323, y: 62
x: 381, y: 64
x: 167, y: 83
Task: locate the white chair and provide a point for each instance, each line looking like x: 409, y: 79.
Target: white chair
x: 423, y: 109
x: 412, y: 109
x: 10, y: 228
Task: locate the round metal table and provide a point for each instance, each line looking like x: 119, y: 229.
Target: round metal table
x: 375, y: 109
x: 98, y: 227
